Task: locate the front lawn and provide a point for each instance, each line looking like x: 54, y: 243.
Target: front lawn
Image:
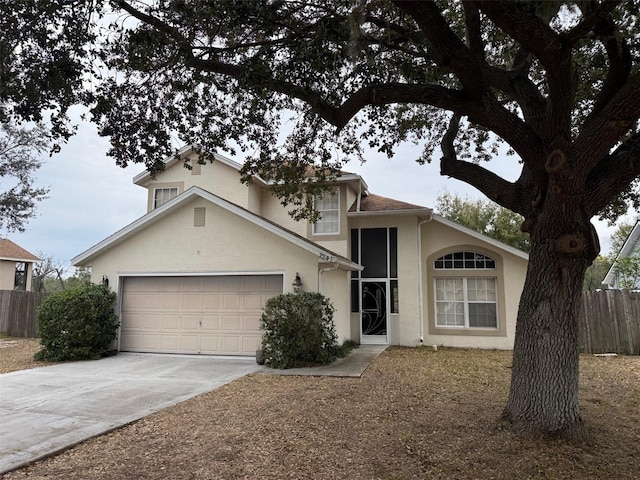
x: 415, y: 413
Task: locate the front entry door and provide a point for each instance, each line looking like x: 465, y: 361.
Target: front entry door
x: 373, y: 322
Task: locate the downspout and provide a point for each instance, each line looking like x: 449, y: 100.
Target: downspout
x: 321, y: 273
x: 420, y: 280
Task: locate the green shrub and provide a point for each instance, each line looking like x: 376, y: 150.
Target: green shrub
x: 298, y: 331
x: 77, y: 324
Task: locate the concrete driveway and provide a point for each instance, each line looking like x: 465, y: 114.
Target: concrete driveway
x: 48, y: 409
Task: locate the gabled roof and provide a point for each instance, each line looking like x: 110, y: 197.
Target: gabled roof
x: 492, y: 241
x: 180, y: 155
x: 324, y: 255
x: 13, y: 252
x: 627, y: 248
x: 379, y: 205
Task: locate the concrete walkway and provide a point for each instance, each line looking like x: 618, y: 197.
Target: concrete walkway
x: 49, y: 409
x: 353, y: 365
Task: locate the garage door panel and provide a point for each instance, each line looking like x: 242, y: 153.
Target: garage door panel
x: 210, y: 323
x: 210, y: 344
x: 171, y: 301
x: 167, y: 322
x: 168, y: 342
x: 253, y: 284
x: 232, y: 344
x: 190, y: 323
x: 211, y: 301
x: 212, y: 315
x: 273, y: 283
x: 231, y: 301
x: 143, y: 321
x: 253, y: 301
x: 212, y: 284
x: 231, y: 323
x: 145, y: 342
x: 190, y: 343
x: 250, y: 344
x: 251, y: 322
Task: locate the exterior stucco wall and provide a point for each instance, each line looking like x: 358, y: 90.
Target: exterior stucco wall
x: 335, y: 286
x: 440, y: 239
x: 7, y: 274
x: 227, y: 244
x: 271, y: 209
x: 217, y: 178
x: 404, y: 326
x: 255, y: 199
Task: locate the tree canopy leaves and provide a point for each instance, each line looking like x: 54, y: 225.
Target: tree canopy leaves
x: 484, y: 217
x: 20, y: 152
x: 226, y: 75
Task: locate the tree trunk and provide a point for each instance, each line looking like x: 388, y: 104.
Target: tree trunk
x: 543, y: 397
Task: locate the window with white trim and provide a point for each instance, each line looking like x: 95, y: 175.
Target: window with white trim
x: 163, y: 195
x: 328, y: 206
x: 466, y: 301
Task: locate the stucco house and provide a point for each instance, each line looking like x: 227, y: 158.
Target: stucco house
x: 16, y: 266
x: 192, y: 275
x: 630, y: 248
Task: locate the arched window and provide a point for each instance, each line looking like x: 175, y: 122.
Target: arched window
x: 467, y: 300
x: 465, y: 261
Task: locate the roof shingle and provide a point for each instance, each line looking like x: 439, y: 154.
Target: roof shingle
x: 377, y: 203
x: 11, y: 251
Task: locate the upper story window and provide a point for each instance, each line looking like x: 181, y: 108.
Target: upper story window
x: 328, y: 206
x: 163, y: 195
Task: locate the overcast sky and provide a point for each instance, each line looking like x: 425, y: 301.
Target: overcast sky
x: 90, y: 197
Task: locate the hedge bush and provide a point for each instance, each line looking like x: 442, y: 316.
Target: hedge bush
x: 298, y: 331
x: 77, y: 324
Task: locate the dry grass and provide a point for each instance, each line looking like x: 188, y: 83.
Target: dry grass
x: 17, y: 354
x: 414, y: 414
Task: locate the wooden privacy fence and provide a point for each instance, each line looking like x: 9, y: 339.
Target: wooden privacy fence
x: 610, y: 322
x: 18, y: 312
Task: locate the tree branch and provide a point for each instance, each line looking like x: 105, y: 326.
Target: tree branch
x: 620, y: 62
x: 593, y: 13
x: 604, y: 130
x: 613, y: 174
x: 526, y: 27
x: 450, y: 51
x: 493, y: 186
x: 528, y: 24
x: 473, y: 29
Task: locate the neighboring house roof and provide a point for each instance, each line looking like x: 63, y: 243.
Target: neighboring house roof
x: 379, y: 205
x: 479, y: 236
x: 627, y: 248
x: 13, y: 252
x: 325, y: 255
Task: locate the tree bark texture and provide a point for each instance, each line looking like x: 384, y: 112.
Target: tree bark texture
x: 543, y: 397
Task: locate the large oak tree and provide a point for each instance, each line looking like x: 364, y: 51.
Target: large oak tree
x: 556, y: 81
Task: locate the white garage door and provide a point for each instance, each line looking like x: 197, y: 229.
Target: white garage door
x: 208, y: 315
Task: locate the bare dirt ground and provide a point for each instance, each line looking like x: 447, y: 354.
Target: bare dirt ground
x: 414, y: 413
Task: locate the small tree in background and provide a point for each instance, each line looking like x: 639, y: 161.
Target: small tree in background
x: 596, y: 272
x: 298, y: 331
x: 20, y: 148
x: 486, y: 217
x: 77, y: 324
x: 629, y: 269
